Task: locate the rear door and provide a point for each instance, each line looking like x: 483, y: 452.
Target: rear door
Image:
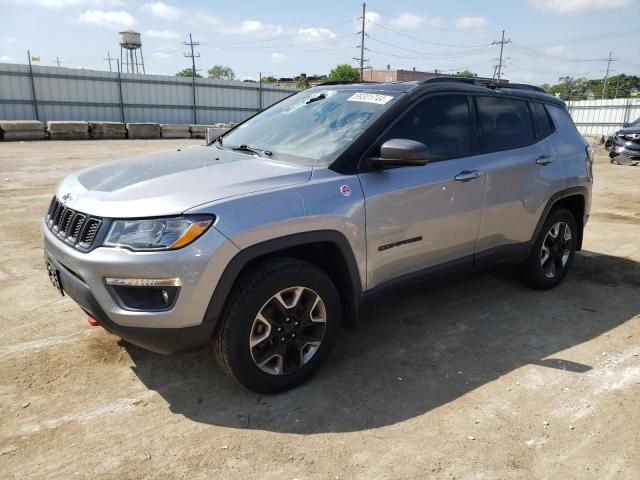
x: 423, y: 216
x: 522, y: 171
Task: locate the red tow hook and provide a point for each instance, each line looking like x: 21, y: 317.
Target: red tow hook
x: 93, y: 322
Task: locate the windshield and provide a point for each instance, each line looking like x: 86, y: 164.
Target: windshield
x: 636, y: 123
x: 311, y: 127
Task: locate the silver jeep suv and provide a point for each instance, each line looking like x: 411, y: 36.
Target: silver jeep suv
x: 266, y: 241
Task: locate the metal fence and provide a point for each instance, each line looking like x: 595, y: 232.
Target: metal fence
x: 603, y: 117
x: 51, y: 93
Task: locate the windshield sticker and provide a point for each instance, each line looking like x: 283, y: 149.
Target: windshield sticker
x: 369, y: 98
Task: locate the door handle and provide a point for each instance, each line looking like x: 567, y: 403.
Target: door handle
x: 467, y: 175
x: 544, y: 160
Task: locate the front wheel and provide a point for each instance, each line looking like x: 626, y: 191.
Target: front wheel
x: 553, y: 251
x: 279, y: 327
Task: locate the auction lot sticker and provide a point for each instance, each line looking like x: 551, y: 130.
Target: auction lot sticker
x: 369, y: 98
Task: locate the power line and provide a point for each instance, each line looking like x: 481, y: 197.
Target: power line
x: 193, y: 56
x: 441, y: 55
x: 108, y: 59
x: 502, y: 43
x: 606, y: 75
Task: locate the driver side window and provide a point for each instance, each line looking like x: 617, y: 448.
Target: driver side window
x: 442, y: 123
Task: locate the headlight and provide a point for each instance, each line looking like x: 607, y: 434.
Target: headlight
x: 157, y: 233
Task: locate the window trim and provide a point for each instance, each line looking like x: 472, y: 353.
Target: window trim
x: 483, y: 150
x: 362, y: 166
x: 540, y: 136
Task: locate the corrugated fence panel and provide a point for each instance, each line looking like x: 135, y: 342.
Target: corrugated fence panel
x: 74, y: 94
x: 603, y: 117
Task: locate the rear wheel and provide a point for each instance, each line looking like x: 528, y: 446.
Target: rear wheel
x: 279, y: 327
x: 553, y: 251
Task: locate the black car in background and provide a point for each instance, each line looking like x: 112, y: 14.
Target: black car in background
x: 624, y: 145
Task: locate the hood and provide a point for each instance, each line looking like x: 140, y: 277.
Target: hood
x: 169, y: 183
x: 628, y: 131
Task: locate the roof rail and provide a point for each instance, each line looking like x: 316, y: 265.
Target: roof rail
x: 342, y: 82
x: 483, y: 82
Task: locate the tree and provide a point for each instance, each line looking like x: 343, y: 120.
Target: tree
x: 303, y: 82
x: 570, y: 88
x: 344, y: 73
x: 220, y: 72
x: 268, y: 79
x: 466, y: 74
x: 187, y: 72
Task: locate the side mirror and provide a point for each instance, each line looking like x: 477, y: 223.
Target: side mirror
x: 400, y: 152
x: 211, y: 134
x: 626, y: 124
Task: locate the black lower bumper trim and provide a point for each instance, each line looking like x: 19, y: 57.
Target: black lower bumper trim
x: 161, y: 340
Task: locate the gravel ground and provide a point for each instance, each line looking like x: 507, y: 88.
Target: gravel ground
x: 471, y: 378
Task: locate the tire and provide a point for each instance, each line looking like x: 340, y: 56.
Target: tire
x: 539, y: 273
x: 248, y: 345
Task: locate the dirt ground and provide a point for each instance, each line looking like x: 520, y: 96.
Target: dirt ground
x: 471, y: 378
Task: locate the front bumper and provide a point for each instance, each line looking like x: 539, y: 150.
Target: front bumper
x: 628, y: 149
x: 181, y: 327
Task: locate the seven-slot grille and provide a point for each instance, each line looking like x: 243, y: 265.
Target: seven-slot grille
x: 73, y: 227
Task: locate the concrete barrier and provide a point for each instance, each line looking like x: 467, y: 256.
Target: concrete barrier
x: 107, y: 130
x: 143, y: 130
x: 22, y: 130
x: 173, y: 130
x: 68, y: 130
x: 198, y: 131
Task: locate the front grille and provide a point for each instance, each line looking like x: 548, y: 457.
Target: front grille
x: 71, y: 226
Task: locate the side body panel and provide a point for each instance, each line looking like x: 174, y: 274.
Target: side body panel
x: 517, y: 190
x: 329, y: 202
x: 420, y: 202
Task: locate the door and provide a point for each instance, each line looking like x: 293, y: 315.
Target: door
x: 423, y: 216
x: 522, y: 171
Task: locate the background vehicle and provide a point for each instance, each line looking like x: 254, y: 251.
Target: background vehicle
x: 624, y: 145
x: 267, y: 241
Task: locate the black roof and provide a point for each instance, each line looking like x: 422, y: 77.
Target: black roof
x: 459, y: 84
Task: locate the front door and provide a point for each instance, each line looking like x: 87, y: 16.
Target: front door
x: 424, y: 216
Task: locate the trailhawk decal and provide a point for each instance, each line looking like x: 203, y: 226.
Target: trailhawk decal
x: 399, y: 243
x: 369, y: 98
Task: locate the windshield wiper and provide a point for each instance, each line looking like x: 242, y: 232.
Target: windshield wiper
x: 322, y: 96
x: 248, y: 149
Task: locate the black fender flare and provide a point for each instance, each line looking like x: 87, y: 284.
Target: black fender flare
x: 231, y: 273
x: 579, y: 190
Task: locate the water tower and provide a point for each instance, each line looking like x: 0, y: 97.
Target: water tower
x: 130, y: 43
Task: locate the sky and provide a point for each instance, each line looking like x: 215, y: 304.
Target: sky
x: 547, y: 38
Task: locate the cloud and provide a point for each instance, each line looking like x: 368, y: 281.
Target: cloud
x: 408, y: 20
x: 411, y: 21
x: 556, y: 50
x: 116, y: 20
x: 59, y: 4
x: 6, y: 59
x: 253, y: 27
x: 470, y: 23
x: 576, y: 6
x: 160, y: 55
x: 306, y: 35
x: 164, y: 11
x: 278, y: 58
x: 165, y: 34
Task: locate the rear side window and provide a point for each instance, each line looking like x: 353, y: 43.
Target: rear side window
x: 544, y: 126
x: 442, y: 123
x: 504, y: 123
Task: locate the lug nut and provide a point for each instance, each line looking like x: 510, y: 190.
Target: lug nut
x: 283, y: 339
x: 297, y: 323
x: 293, y: 335
x: 279, y: 329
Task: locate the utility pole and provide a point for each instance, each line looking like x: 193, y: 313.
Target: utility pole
x: 58, y: 62
x: 502, y: 43
x: 108, y: 59
x: 606, y: 75
x: 364, y: 10
x: 193, y: 56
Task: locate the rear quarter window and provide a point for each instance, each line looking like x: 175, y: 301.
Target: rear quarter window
x: 504, y: 123
x: 544, y: 125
